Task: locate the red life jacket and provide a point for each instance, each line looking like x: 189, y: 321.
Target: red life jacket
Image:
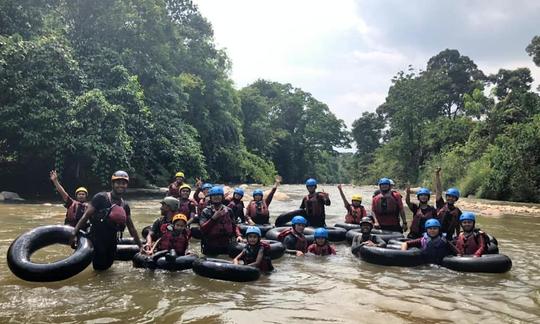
x: 187, y: 207
x: 224, y: 226
x: 251, y: 253
x: 115, y: 215
x: 314, y: 209
x: 387, y: 215
x: 321, y: 250
x: 174, y: 190
x: 355, y: 214
x: 449, y: 218
x: 201, y: 205
x: 258, y: 212
x: 301, y: 242
x: 74, y: 212
x: 476, y: 243
x: 419, y: 219
x: 169, y: 241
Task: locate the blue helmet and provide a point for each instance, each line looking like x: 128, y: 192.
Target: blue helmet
x: 423, y: 191
x: 453, y: 192
x: 311, y: 182
x: 239, y: 191
x: 321, y: 232
x: 258, y: 192
x: 216, y: 191
x: 467, y: 216
x: 298, y: 220
x: 253, y: 230
x: 206, y: 186
x: 432, y: 222
x: 384, y: 181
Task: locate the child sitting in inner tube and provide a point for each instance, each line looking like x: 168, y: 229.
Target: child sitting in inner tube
x: 355, y: 210
x: 433, y: 244
x: 471, y: 241
x: 321, y: 245
x: 175, y: 237
x: 366, y: 238
x: 256, y: 253
x: 293, y: 238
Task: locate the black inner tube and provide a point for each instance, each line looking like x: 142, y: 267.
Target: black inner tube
x: 225, y: 270
x: 488, y: 263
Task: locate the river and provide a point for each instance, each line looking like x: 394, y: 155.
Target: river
x: 339, y: 289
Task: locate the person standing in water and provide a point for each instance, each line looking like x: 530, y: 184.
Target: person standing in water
x: 447, y: 212
x: 313, y: 204
x: 421, y: 211
x: 75, y: 207
x: 387, y: 208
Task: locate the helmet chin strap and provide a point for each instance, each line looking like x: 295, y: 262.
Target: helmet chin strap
x: 385, y: 191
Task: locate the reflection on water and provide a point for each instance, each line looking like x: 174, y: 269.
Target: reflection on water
x: 337, y: 289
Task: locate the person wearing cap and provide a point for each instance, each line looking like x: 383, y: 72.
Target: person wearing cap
x: 175, y: 236
x: 218, y: 226
x: 169, y: 207
x: 366, y: 238
x: 257, y: 211
x: 447, y: 212
x: 174, y: 187
x: 109, y: 215
x: 313, y: 204
x: 421, y: 211
x: 75, y: 207
x: 321, y: 245
x: 355, y: 210
x: 387, y: 207
x: 256, y: 253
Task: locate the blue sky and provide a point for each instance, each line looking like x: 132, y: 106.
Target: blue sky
x: 345, y: 52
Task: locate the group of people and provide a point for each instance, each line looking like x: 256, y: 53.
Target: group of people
x: 218, y: 215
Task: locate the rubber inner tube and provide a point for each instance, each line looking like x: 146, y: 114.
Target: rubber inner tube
x: 391, y: 257
x: 335, y: 234
x: 264, y: 228
x: 141, y: 260
x: 347, y: 226
x: 195, y: 232
x: 22, y: 248
x: 399, y: 240
x: 179, y: 263
x: 145, y: 231
x: 277, y: 249
x: 385, y: 235
x: 284, y: 218
x: 489, y: 263
x: 126, y: 252
x: 225, y: 270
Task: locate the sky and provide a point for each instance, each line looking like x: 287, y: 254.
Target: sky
x: 345, y: 52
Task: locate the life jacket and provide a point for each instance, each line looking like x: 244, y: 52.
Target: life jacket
x: 434, y: 249
x: 74, y: 212
x: 258, y: 212
x: 315, y: 210
x: 326, y: 249
x: 224, y: 227
x: 170, y: 241
x: 469, y: 245
x: 449, y: 218
x: 237, y: 207
x: 174, y: 190
x: 187, y: 207
x: 114, y: 216
x: 419, y: 220
x: 355, y: 214
x: 202, y: 204
x: 251, y: 253
x: 387, y: 208
x: 301, y: 242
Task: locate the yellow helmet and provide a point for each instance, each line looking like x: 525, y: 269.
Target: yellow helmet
x: 357, y: 197
x: 83, y: 189
x: 179, y: 174
x: 185, y: 186
x: 179, y: 217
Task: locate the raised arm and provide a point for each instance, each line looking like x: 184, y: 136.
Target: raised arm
x: 438, y: 185
x: 59, y: 188
x: 345, y: 202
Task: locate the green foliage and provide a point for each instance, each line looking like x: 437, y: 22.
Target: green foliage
x: 533, y: 49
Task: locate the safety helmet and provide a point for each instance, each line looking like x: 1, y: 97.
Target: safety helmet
x: 366, y: 220
x: 453, y: 192
x: 239, y: 191
x: 392, y: 182
x: 467, y: 216
x: 206, y: 186
x: 432, y: 222
x: 179, y: 174
x: 384, y: 181
x: 179, y: 217
x: 321, y: 232
x: 298, y: 220
x: 258, y: 192
x: 172, y: 202
x: 356, y: 198
x: 253, y: 230
x: 216, y: 191
x: 311, y: 182
x: 120, y: 175
x: 423, y: 191
x: 83, y: 189
x: 185, y: 186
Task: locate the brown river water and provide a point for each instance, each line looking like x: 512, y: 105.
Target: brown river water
x: 338, y: 289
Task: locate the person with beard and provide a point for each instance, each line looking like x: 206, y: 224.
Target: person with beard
x: 218, y: 226
x: 169, y: 207
x: 447, y: 212
x: 421, y: 211
x: 109, y: 215
x: 387, y: 208
x: 314, y: 203
x: 366, y: 238
x: 471, y: 241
